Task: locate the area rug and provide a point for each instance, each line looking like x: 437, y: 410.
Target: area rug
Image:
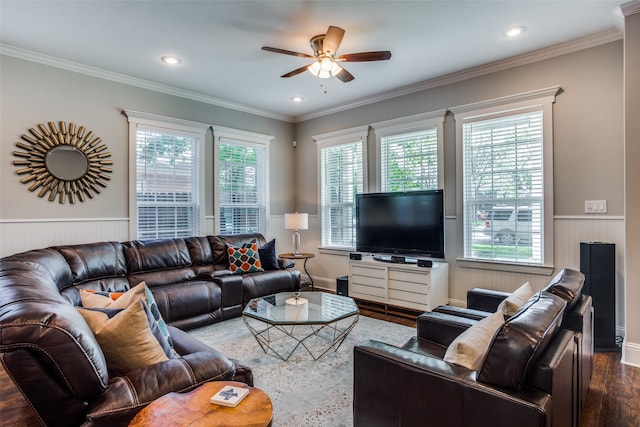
x: 304, y: 392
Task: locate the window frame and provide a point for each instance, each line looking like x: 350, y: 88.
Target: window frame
x: 538, y: 100
x: 411, y: 124
x: 247, y: 139
x: 332, y: 139
x: 170, y: 125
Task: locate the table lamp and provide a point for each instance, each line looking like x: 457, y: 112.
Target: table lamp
x: 296, y: 221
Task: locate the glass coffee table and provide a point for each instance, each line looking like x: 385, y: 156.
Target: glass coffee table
x: 314, y: 321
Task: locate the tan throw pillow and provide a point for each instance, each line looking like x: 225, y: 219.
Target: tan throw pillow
x: 117, y: 300
x: 121, y: 300
x: 471, y: 346
x: 126, y: 339
x: 514, y: 301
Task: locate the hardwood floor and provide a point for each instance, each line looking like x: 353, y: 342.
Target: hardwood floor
x: 613, y: 399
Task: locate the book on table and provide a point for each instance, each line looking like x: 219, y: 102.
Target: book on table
x: 229, y: 396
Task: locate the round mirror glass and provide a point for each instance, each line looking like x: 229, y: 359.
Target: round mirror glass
x: 66, y: 162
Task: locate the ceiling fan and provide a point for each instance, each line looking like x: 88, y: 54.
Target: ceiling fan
x: 325, y: 64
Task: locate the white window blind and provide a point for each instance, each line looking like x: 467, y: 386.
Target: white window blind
x: 167, y: 184
x: 241, y: 187
x: 409, y: 161
x: 342, y: 177
x: 503, y: 194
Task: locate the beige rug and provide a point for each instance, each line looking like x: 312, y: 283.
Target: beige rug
x: 304, y: 392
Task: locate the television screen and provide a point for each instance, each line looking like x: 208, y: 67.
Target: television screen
x: 406, y: 223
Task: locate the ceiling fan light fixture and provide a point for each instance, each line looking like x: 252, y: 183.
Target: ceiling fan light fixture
x: 314, y: 68
x: 324, y: 74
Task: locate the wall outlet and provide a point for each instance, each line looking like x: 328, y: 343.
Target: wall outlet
x: 595, y: 206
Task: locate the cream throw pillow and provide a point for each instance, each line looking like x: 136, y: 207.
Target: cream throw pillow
x: 514, y: 301
x: 471, y: 346
x: 126, y: 339
x: 92, y: 299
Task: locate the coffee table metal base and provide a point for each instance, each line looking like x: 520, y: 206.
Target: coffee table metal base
x: 300, y: 335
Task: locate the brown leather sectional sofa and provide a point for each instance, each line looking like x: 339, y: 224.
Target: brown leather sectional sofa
x: 535, y: 372
x: 53, y: 357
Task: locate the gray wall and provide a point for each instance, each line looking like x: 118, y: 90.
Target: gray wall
x: 588, y: 162
x: 33, y: 93
x: 588, y: 142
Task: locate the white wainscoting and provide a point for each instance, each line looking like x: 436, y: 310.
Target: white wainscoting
x: 23, y: 235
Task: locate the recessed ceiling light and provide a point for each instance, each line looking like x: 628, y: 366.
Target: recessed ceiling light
x: 297, y: 99
x: 172, y: 60
x: 515, y: 31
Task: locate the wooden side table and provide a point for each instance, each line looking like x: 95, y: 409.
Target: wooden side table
x: 305, y: 256
x: 194, y: 409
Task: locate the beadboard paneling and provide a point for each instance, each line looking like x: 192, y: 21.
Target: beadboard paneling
x: 19, y: 236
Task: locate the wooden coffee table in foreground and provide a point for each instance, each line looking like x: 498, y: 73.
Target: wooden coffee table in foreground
x: 195, y: 409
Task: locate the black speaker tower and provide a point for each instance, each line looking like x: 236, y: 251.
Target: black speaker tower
x: 598, y: 263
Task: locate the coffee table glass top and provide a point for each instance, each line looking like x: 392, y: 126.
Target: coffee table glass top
x: 321, y: 308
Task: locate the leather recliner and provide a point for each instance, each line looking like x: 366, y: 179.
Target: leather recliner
x: 527, y: 378
x: 567, y: 284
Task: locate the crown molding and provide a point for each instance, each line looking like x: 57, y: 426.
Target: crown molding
x: 100, y: 73
x: 630, y: 8
x: 516, y: 61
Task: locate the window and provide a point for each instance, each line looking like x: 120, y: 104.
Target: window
x: 241, y: 183
x: 167, y: 169
x: 505, y: 152
x: 410, y: 152
x: 342, y: 176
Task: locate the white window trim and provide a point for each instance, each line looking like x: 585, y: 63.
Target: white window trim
x: 190, y: 128
x: 337, y: 138
x: 415, y: 123
x: 485, y: 109
x: 249, y: 139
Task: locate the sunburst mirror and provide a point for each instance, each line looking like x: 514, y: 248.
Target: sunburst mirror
x: 65, y: 162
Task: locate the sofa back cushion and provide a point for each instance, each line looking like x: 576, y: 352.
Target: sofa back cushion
x: 521, y: 340
x: 158, y: 262
x: 99, y: 266
x: 567, y: 284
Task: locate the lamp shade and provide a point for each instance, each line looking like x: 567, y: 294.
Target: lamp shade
x: 296, y: 221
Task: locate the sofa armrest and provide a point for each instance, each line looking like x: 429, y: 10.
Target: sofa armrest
x: 393, y: 386
x: 469, y: 313
x: 231, y: 289
x: 286, y: 263
x: 441, y: 328
x: 126, y: 395
x: 485, y: 299
x: 184, y: 344
x: 210, y: 275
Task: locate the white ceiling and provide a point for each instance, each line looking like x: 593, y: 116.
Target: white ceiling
x: 219, y: 42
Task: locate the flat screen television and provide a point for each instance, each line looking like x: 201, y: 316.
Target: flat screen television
x: 403, y: 223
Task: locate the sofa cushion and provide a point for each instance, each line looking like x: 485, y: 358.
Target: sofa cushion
x: 471, y: 346
x: 522, y: 338
x: 119, y: 300
x: 126, y: 338
x: 244, y: 259
x: 514, y: 301
x: 98, y: 265
x: 567, y: 284
x: 268, y: 257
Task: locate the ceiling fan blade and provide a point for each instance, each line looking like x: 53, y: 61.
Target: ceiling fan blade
x: 382, y: 55
x: 286, y: 52
x: 344, y: 76
x: 296, y: 71
x: 332, y: 39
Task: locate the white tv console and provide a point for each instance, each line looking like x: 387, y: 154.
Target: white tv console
x: 400, y: 285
